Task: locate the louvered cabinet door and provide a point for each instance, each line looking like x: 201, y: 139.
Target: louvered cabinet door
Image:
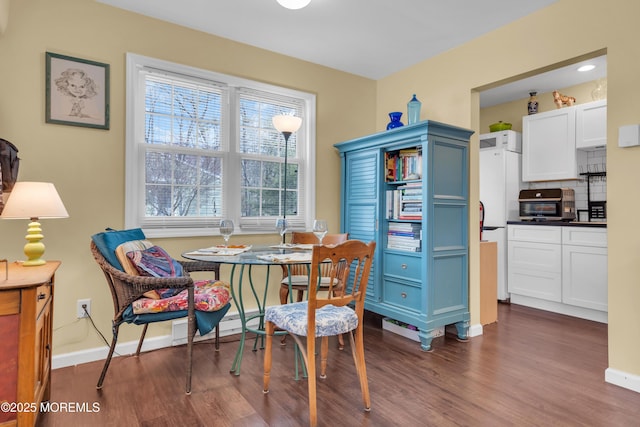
x: 361, y: 204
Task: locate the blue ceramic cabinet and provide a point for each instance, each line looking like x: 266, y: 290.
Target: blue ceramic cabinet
x: 408, y: 189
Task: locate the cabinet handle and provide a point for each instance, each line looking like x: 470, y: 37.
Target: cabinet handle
x: 403, y: 294
x: 41, y: 296
x: 403, y: 266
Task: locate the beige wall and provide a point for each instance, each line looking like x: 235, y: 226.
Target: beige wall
x: 87, y: 165
x: 446, y: 85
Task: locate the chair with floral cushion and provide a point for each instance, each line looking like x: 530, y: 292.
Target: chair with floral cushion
x: 148, y: 286
x: 324, y: 315
x: 296, y: 276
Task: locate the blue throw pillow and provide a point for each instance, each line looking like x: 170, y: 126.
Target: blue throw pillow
x: 108, y: 241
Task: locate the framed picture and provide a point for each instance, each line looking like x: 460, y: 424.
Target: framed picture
x: 77, y: 92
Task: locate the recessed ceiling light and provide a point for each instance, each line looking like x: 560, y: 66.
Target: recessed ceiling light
x: 294, y: 4
x: 587, y: 67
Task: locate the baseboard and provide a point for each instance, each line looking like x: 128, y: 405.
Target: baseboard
x: 475, y: 330
x: 622, y: 379
x: 229, y: 325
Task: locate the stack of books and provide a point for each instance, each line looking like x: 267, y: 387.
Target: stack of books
x: 404, y: 236
x: 405, y: 202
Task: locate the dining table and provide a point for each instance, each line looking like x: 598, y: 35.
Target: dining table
x: 243, y: 259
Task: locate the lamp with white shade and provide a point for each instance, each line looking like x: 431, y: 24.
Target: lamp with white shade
x: 286, y: 125
x: 34, y: 200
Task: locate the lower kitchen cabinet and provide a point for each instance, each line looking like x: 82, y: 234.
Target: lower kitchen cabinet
x: 535, y: 262
x: 559, y: 268
x: 26, y: 316
x: 584, y: 267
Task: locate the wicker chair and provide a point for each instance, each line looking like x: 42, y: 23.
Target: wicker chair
x: 126, y: 288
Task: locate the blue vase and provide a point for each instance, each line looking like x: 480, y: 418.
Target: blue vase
x: 395, y: 120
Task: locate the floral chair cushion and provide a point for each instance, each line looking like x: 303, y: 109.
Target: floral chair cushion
x: 330, y: 320
x: 209, y: 295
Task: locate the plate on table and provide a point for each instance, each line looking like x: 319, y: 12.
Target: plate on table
x: 220, y: 250
x: 287, y: 258
x: 294, y: 246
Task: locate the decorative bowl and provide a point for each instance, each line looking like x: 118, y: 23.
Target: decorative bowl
x: 496, y: 127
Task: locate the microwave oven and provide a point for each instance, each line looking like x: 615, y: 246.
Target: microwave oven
x: 506, y: 139
x: 548, y: 204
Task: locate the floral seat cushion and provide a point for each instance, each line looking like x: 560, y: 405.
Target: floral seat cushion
x: 330, y: 320
x: 209, y: 295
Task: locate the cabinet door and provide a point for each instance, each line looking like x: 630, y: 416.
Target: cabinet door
x: 361, y: 203
x: 535, y: 270
x: 584, y: 276
x: 591, y: 125
x: 549, y: 146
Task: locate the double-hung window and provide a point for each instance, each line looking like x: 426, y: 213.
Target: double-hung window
x: 201, y: 147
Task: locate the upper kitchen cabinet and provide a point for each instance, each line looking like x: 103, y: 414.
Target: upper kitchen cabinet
x: 591, y: 125
x: 550, y: 140
x: 549, y: 146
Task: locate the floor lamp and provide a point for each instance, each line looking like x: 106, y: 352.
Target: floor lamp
x: 286, y: 125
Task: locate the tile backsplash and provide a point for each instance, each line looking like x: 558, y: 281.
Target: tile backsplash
x: 588, y: 161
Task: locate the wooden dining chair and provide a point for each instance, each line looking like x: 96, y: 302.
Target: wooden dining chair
x: 324, y: 315
x: 296, y: 276
x: 299, y: 272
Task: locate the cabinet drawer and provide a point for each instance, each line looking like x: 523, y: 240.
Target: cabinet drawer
x: 535, y: 233
x: 406, y: 267
x: 584, y: 236
x: 43, y: 293
x: 402, y: 295
x: 10, y: 302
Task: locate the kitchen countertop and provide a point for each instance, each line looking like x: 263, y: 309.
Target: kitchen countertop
x: 600, y: 224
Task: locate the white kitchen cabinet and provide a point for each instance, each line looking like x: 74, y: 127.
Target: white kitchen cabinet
x: 549, y: 146
x: 535, y: 262
x: 591, y: 125
x: 550, y: 140
x: 584, y: 267
x: 559, y: 268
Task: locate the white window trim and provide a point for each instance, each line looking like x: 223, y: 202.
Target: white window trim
x: 134, y: 190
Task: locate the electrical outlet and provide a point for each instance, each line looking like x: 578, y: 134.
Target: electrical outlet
x: 80, y: 311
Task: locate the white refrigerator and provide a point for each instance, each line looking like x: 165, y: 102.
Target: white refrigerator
x: 500, y: 184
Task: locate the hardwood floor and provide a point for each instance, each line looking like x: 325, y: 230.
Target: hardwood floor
x: 532, y: 368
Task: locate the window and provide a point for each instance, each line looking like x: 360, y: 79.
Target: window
x: 201, y: 147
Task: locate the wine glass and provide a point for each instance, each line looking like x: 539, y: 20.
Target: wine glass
x: 226, y: 229
x: 320, y: 229
x: 281, y: 227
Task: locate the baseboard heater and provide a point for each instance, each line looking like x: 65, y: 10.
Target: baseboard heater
x: 229, y: 325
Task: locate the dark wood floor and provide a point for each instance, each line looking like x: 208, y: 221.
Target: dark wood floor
x: 532, y: 368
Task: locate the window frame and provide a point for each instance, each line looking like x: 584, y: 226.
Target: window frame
x: 134, y: 152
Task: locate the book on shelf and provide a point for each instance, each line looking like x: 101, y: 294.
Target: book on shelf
x: 404, y: 236
x: 404, y: 165
x: 403, y: 205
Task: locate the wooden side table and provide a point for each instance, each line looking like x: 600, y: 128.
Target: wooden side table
x: 488, y: 282
x: 26, y: 314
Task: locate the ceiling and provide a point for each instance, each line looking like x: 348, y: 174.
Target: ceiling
x: 369, y: 38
